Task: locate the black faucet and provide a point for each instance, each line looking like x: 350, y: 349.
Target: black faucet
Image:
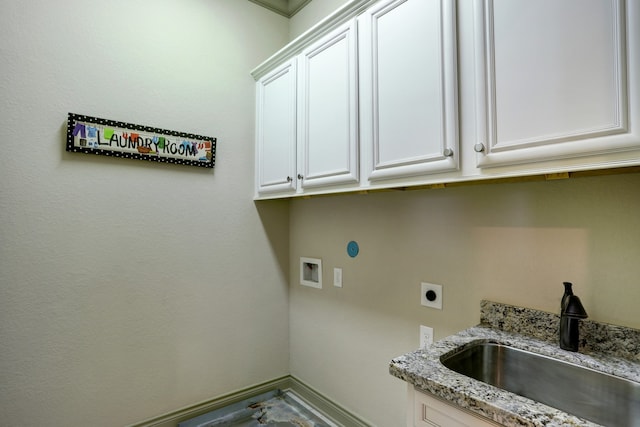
x: 571, y: 311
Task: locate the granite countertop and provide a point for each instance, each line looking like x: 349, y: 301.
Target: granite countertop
x: 606, y: 348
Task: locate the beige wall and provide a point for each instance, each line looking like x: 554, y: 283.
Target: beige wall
x: 512, y: 243
x: 123, y: 295
x: 130, y: 289
x: 311, y: 14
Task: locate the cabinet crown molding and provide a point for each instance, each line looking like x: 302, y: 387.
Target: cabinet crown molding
x: 337, y: 18
x: 286, y: 8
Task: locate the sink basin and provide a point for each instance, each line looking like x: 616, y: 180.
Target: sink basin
x: 595, y: 396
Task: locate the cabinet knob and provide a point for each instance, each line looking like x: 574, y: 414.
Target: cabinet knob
x: 289, y: 179
x: 479, y: 148
x: 300, y: 176
x: 448, y: 152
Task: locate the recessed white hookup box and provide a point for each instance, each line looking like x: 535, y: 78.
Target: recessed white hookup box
x: 311, y: 272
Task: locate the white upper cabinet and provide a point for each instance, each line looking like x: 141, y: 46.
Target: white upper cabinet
x: 276, y: 130
x: 399, y: 93
x: 328, y: 110
x: 408, y: 90
x: 554, y: 79
x: 307, y: 118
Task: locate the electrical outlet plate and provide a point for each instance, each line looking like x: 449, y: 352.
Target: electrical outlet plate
x: 426, y: 336
x: 437, y: 302
x: 337, y: 277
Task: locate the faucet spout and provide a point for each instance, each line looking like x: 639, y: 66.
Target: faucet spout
x: 571, y: 311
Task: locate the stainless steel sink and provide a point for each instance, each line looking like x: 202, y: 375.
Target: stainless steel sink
x: 601, y: 398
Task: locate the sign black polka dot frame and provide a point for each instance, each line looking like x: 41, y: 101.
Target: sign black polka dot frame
x: 93, y: 135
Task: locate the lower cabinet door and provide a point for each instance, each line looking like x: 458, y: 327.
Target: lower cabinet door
x: 428, y: 411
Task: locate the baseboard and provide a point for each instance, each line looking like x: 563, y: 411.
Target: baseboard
x: 335, y: 412
x: 172, y: 419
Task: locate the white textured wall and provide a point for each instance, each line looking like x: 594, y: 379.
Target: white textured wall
x: 511, y: 243
x: 130, y: 289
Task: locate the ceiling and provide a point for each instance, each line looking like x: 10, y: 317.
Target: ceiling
x: 286, y: 8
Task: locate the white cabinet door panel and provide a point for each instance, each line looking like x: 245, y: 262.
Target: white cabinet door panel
x: 328, y: 114
x: 426, y: 410
x: 410, y: 112
x: 276, y: 129
x: 551, y: 79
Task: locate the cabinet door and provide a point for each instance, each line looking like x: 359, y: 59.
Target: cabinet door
x: 409, y: 88
x: 328, y: 131
x: 276, y: 130
x: 552, y: 79
x: 428, y: 411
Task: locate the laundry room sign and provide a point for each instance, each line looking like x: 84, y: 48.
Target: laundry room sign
x: 92, y: 135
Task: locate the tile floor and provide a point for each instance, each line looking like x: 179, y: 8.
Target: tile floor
x: 276, y: 408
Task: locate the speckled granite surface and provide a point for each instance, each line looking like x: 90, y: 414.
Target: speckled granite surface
x: 595, y: 337
x: 607, y: 348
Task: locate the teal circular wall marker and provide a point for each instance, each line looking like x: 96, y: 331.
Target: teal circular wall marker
x: 353, y: 249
